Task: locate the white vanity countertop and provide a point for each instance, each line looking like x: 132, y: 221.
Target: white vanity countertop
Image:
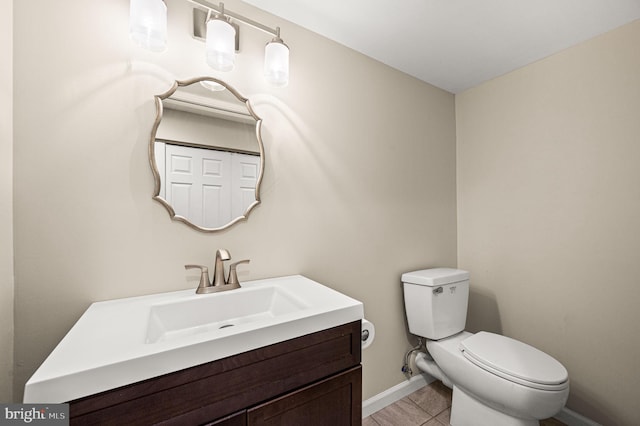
x: 107, y: 347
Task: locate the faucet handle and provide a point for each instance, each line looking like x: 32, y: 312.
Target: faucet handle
x: 204, y: 277
x: 233, y: 274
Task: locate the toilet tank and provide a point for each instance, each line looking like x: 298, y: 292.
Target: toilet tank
x: 436, y: 301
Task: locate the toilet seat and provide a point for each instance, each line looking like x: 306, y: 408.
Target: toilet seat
x: 515, y: 361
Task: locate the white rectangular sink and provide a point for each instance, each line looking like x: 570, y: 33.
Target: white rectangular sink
x: 175, y: 320
x: 124, y: 341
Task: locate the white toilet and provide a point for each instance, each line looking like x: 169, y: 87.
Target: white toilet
x: 496, y: 381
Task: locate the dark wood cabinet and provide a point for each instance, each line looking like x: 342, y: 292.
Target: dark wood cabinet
x: 327, y: 403
x: 236, y: 419
x: 312, y: 380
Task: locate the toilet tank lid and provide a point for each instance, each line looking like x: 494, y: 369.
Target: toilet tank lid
x: 435, y: 276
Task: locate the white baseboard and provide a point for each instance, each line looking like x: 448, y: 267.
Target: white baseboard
x: 396, y: 393
x: 399, y: 391
x: 572, y: 418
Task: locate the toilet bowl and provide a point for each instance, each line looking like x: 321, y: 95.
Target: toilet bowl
x: 496, y: 380
x: 509, y: 384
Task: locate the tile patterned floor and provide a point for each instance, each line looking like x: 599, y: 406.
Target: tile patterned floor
x: 429, y: 406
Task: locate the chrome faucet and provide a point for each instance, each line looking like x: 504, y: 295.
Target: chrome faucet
x: 219, y: 282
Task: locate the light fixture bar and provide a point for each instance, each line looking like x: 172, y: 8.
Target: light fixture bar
x: 237, y: 16
x: 200, y: 27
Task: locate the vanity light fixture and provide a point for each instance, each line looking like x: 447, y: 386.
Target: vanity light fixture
x: 276, y: 61
x: 276, y: 57
x: 148, y: 24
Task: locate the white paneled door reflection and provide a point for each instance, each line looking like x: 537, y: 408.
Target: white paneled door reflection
x: 244, y: 176
x: 207, y: 186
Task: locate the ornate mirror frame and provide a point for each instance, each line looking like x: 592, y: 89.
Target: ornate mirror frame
x: 152, y: 154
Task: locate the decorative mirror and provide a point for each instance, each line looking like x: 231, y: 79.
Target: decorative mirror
x: 206, y: 154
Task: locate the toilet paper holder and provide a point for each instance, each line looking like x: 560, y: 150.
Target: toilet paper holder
x: 368, y: 333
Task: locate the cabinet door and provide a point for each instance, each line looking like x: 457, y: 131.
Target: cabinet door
x: 335, y: 401
x: 236, y: 419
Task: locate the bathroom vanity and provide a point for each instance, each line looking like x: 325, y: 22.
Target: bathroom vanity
x: 313, y: 379
x: 277, y: 351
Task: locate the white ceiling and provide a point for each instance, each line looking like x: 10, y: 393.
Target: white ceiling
x: 455, y: 44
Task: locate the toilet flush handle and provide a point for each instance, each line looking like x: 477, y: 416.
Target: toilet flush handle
x: 438, y: 290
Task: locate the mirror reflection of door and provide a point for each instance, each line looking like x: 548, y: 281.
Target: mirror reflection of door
x: 209, y: 187
x: 208, y: 155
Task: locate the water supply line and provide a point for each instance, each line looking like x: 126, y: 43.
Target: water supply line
x: 426, y: 365
x: 406, y: 369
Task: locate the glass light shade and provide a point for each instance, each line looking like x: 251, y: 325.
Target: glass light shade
x: 221, y: 43
x: 276, y: 63
x: 148, y: 24
x: 212, y: 85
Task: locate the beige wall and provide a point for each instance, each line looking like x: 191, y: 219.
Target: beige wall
x: 180, y: 126
x: 6, y: 203
x: 549, y: 214
x: 359, y: 182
